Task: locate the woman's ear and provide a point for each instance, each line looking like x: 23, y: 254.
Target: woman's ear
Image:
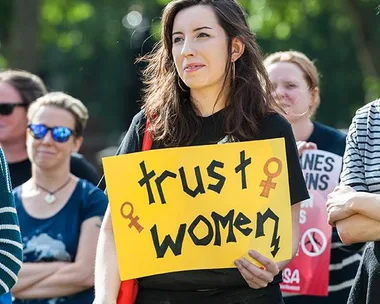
x: 237, y: 49
x: 77, y: 143
x: 314, y: 97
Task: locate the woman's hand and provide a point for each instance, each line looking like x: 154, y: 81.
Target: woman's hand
x: 303, y: 145
x: 257, y: 277
x: 339, y: 204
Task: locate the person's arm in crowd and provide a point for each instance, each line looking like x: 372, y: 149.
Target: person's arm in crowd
x: 107, y: 278
x: 358, y: 229
x: 345, y: 202
x: 367, y: 204
x: 10, y: 236
x: 32, y: 273
x: 295, y: 234
x: 72, y: 277
x: 354, y: 214
x: 10, y: 244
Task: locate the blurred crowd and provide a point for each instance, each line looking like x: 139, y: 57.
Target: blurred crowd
x: 52, y: 208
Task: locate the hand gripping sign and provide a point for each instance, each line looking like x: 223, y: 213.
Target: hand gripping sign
x: 308, y: 272
x: 199, y: 207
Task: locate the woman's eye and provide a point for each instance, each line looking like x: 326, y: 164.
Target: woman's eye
x: 201, y: 35
x: 291, y: 86
x: 177, y: 39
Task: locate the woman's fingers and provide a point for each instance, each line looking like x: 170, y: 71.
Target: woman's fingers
x: 255, y: 277
x: 303, y: 145
x: 267, y: 263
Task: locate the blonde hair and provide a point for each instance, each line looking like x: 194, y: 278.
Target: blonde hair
x: 66, y: 102
x: 305, y: 64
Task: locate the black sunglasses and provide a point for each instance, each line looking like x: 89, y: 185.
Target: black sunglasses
x: 59, y: 134
x: 7, y: 109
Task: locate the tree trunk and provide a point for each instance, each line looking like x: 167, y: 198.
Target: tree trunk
x: 23, y: 46
x: 367, y: 43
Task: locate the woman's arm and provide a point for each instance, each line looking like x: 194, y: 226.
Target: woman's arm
x: 10, y: 236
x: 345, y: 202
x: 32, y: 273
x: 73, y: 277
x: 295, y: 234
x: 10, y: 241
x: 367, y: 204
x: 107, y: 278
x: 358, y: 229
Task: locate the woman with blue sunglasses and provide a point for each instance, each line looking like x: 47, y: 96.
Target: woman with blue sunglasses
x: 18, y: 90
x: 59, y: 214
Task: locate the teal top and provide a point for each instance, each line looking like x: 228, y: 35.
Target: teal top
x: 10, y: 237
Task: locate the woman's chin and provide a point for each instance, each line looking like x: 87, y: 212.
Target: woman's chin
x: 46, y: 165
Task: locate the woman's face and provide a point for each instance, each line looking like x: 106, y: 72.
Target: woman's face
x: 46, y: 153
x: 13, y: 126
x: 292, y: 90
x: 199, y: 48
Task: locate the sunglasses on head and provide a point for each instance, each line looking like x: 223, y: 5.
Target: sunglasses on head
x: 8, y: 108
x: 59, y: 134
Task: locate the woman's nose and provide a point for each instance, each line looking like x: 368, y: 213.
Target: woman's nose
x: 188, y: 48
x: 48, y: 139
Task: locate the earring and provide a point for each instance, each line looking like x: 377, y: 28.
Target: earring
x: 233, y: 71
x: 179, y: 84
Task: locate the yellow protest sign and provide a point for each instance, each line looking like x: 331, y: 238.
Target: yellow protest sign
x: 199, y: 207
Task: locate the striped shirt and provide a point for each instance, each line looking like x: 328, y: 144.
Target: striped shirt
x: 10, y: 238
x: 361, y: 165
x: 361, y: 171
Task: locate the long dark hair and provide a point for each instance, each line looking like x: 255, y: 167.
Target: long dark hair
x: 166, y: 100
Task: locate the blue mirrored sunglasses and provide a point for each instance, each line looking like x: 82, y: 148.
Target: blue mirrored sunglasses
x: 59, y: 134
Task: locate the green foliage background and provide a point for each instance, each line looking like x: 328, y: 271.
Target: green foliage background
x: 84, y: 49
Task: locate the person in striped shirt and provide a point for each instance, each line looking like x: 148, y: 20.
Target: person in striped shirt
x: 354, y: 207
x: 10, y: 237
x: 296, y: 82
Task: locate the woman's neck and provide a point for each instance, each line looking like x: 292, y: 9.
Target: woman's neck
x: 50, y: 179
x: 302, y: 129
x: 208, y: 101
x: 15, y: 151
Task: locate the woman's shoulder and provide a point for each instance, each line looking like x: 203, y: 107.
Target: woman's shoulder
x: 370, y: 110
x: 274, y: 118
x: 328, y: 139
x: 273, y: 125
x: 17, y: 194
x: 88, y: 189
x: 139, y: 119
x: 132, y: 139
x: 137, y: 124
x: 328, y: 132
x: 366, y: 120
x: 93, y: 201
x: 5, y: 179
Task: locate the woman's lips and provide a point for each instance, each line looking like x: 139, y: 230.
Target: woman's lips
x: 46, y: 153
x: 193, y: 68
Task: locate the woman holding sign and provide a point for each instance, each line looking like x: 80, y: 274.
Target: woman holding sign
x: 206, y: 84
x: 59, y: 214
x: 296, y: 82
